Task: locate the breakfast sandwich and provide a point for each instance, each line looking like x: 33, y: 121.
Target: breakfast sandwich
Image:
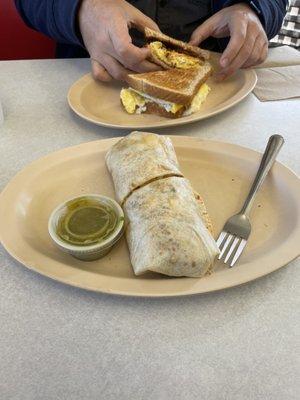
x: 179, y: 89
x: 170, y: 93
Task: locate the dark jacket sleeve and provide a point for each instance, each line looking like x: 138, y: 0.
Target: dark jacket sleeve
x: 54, y: 18
x: 270, y: 12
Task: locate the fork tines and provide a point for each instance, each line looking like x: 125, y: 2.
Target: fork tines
x: 231, y: 247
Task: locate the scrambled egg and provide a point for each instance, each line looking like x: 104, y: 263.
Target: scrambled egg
x: 172, y: 58
x: 175, y: 107
x: 131, y: 100
x: 198, y: 99
x: 134, y: 102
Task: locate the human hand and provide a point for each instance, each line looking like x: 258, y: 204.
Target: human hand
x: 104, y: 28
x: 248, y: 44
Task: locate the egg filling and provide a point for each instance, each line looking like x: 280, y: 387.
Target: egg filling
x: 135, y: 102
x: 173, y: 58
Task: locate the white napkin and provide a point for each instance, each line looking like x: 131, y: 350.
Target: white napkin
x: 279, y: 76
x: 278, y: 83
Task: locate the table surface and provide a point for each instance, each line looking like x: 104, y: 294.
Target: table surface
x: 59, y: 342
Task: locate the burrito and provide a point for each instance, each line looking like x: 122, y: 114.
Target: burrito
x: 166, y: 232
x: 168, y: 228
x: 140, y: 158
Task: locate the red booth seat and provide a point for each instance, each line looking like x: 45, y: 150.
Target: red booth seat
x: 17, y: 41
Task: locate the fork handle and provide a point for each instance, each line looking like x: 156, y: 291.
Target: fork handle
x: 274, y: 145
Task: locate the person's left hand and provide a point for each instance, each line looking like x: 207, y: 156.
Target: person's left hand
x: 248, y: 44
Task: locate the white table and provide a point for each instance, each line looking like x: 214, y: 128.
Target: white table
x: 58, y: 342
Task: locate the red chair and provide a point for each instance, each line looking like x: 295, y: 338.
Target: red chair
x: 17, y: 41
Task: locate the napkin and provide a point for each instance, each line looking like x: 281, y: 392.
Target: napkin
x: 278, y: 83
x: 279, y: 76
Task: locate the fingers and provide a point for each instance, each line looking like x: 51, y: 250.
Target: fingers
x: 121, y: 58
x: 241, y: 58
x: 238, y: 33
x: 264, y: 54
x: 259, y: 54
x: 133, y: 61
x: 145, y: 66
x: 141, y: 21
x: 106, y: 35
x: 128, y: 54
x: 204, y: 31
x: 114, y: 68
x: 132, y: 57
x: 99, y: 72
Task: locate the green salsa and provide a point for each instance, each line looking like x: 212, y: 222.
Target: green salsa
x: 87, y: 221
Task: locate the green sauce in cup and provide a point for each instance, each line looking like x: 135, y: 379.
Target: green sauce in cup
x: 87, y: 221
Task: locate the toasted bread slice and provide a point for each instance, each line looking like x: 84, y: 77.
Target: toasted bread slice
x: 173, y: 85
x: 175, y: 44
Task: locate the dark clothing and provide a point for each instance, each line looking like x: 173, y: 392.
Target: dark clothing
x: 177, y: 18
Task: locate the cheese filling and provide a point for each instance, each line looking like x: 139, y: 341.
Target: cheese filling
x: 135, y: 102
x: 173, y: 58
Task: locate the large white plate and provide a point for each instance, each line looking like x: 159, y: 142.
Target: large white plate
x: 220, y: 172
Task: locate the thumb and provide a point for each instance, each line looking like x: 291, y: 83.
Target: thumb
x: 141, y: 21
x: 203, y: 31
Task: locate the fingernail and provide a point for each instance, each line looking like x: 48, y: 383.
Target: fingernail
x: 224, y: 62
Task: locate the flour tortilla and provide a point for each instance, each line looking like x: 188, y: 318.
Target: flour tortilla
x: 165, y: 231
x: 138, y: 159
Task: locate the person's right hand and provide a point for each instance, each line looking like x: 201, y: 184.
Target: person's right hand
x: 104, y: 28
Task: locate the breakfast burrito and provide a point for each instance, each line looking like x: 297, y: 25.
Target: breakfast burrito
x: 165, y: 232
x: 138, y: 159
x: 168, y: 228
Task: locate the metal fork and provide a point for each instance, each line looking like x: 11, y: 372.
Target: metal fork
x: 236, y: 231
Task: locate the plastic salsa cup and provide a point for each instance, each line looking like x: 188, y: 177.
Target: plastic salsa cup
x: 87, y: 227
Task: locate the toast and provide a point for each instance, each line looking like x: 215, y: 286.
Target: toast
x: 173, y: 85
